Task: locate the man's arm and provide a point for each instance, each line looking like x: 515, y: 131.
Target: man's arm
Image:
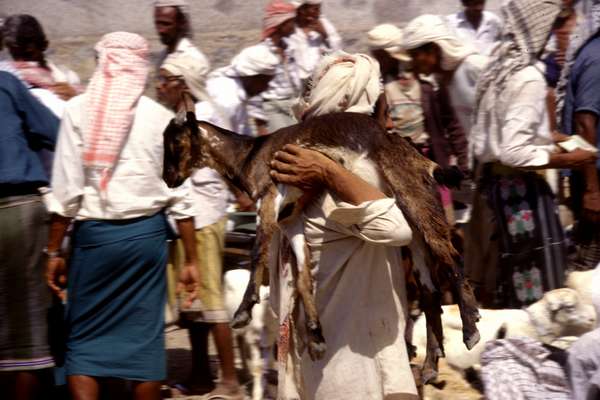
x: 56, y: 271
x: 312, y: 171
x: 586, y: 125
x: 188, y: 276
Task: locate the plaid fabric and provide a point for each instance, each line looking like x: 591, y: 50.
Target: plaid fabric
x: 520, y: 368
x: 112, y: 95
x: 527, y: 26
x: 276, y: 13
x: 34, y: 75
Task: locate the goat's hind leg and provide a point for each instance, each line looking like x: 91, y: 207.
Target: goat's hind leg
x: 258, y: 262
x: 305, y: 286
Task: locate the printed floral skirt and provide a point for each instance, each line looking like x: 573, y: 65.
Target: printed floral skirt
x: 532, y: 247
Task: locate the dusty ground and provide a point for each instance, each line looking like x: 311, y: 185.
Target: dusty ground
x: 179, y: 363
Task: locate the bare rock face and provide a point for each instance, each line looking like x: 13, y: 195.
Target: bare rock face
x: 83, y: 17
x: 220, y: 27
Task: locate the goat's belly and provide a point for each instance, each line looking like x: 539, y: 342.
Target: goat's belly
x: 358, y: 163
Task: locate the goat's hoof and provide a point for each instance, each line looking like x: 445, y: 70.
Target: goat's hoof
x: 241, y: 319
x: 429, y: 375
x: 316, y: 350
x: 471, y: 340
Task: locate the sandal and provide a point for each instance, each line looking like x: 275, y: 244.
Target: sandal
x: 179, y: 390
x: 223, y: 392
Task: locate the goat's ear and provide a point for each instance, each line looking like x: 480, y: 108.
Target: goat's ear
x: 553, y: 304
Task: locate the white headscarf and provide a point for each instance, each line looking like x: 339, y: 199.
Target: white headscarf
x: 387, y: 37
x: 182, y: 4
x: 344, y: 82
x: 299, y: 3
x: 433, y: 29
x: 253, y: 60
x: 191, y: 69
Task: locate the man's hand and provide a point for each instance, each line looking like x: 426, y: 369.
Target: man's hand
x: 188, y: 283
x: 318, y: 27
x: 64, y: 90
x: 591, y: 206
x: 304, y: 168
x: 579, y: 158
x: 558, y: 137
x: 56, y: 276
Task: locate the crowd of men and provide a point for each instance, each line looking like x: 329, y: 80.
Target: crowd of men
x: 510, y: 103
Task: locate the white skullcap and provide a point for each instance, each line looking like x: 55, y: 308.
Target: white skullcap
x: 387, y: 37
x: 433, y: 29
x: 344, y: 82
x: 183, y: 4
x: 253, y: 60
x: 299, y: 3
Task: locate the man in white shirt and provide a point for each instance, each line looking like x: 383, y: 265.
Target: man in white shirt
x: 314, y: 37
x: 515, y: 245
x: 231, y: 88
x: 480, y: 28
x: 285, y: 87
x: 172, y: 22
x: 107, y: 177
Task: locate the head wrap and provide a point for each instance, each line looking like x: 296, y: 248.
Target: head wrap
x: 112, y: 96
x: 433, y: 29
x: 183, y: 5
x: 253, y: 60
x: 344, y: 82
x: 299, y: 3
x: 585, y: 31
x: 276, y: 13
x: 387, y: 37
x: 527, y: 27
x: 191, y: 69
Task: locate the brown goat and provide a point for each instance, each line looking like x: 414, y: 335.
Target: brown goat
x: 245, y: 163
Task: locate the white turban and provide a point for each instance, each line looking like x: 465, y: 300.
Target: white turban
x: 183, y: 4
x: 299, y: 3
x: 253, y: 60
x: 387, y: 37
x: 433, y: 29
x: 191, y: 69
x: 344, y: 82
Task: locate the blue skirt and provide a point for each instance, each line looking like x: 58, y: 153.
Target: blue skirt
x: 116, y: 297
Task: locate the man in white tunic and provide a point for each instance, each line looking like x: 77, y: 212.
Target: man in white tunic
x: 354, y: 232
x: 475, y: 25
x: 314, y: 37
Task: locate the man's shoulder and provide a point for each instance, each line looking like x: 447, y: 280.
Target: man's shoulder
x: 491, y: 18
x: 591, y: 51
x: 186, y: 46
x: 153, y: 110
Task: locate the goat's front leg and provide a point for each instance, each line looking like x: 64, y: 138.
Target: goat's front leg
x: 305, y: 284
x: 431, y: 305
x: 259, y: 260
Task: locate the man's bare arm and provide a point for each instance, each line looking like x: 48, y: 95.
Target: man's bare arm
x: 312, y: 171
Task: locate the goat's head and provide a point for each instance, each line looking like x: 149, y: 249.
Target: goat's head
x: 180, y: 140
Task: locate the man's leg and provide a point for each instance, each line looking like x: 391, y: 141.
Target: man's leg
x: 27, y: 385
x: 223, y: 341
x: 83, y: 387
x: 147, y: 390
x: 201, y: 375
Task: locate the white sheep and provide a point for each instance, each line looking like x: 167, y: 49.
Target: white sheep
x: 257, y: 338
x: 561, y: 312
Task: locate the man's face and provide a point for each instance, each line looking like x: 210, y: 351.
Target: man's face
x: 169, y: 89
x: 387, y: 64
x: 425, y: 59
x: 287, y: 28
x: 167, y: 25
x: 474, y: 8
x: 308, y: 14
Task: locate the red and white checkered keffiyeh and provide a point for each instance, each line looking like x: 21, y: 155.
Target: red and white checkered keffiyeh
x: 112, y: 96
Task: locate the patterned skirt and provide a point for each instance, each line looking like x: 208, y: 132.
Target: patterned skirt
x: 24, y: 295
x: 531, y: 241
